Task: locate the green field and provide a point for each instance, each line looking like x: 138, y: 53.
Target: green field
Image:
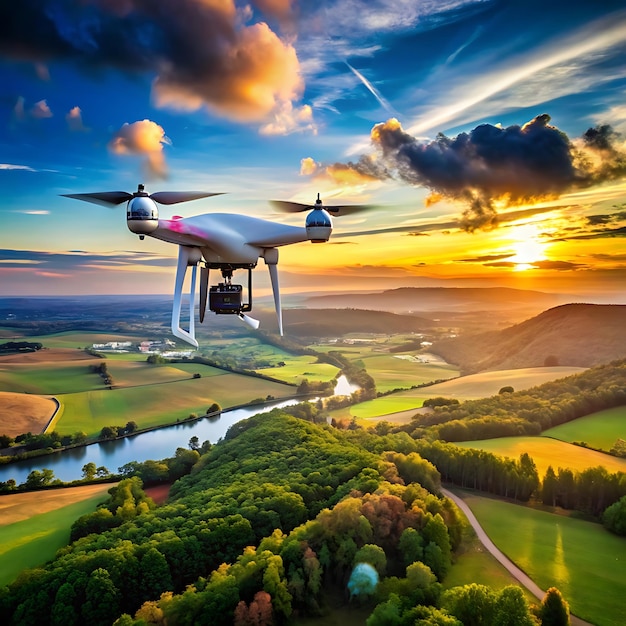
x: 297, y: 368
x: 581, y: 558
x: 36, y: 540
x: 545, y: 451
x: 127, y: 373
x: 464, y: 388
x: 73, y: 339
x: 404, y: 370
x: 600, y: 430
x: 48, y: 378
x: 160, y: 403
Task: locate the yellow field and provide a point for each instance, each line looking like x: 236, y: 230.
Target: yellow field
x: 17, y: 507
x: 545, y: 451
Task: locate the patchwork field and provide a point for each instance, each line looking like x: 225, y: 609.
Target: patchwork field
x: 464, y: 388
x: 23, y: 413
x: 35, y: 525
x: 599, y: 430
x: 152, y: 405
x: 545, y: 451
x: 405, y: 370
x: 581, y: 558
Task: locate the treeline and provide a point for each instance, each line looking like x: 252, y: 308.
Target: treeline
x: 12, y: 347
x: 526, y: 412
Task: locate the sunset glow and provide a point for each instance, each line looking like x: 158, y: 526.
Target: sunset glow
x: 491, y: 153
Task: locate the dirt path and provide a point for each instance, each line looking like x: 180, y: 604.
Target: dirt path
x: 515, y: 571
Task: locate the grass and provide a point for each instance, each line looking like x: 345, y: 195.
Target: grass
x: 73, y: 339
x: 545, y: 452
x: 153, y: 405
x: 297, y: 368
x: 48, y: 378
x: 600, y: 430
x: 35, y: 540
x: 402, y: 370
x: 581, y: 558
x: 379, y: 407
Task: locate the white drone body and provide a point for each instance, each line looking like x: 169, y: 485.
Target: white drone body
x: 222, y: 241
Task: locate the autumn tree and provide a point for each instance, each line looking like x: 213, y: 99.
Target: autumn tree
x: 554, y: 610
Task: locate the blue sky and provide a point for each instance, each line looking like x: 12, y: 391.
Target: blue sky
x: 468, y: 121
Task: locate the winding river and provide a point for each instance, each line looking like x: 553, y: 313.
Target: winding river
x: 155, y: 444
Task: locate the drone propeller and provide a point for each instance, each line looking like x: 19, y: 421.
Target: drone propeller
x: 295, y: 207
x: 113, y: 198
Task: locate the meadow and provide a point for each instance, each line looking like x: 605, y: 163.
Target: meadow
x: 581, y: 558
x: 470, y: 387
x: 546, y: 451
x: 33, y: 526
x: 599, y: 430
x: 161, y: 403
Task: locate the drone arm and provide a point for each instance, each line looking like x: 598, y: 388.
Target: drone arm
x: 184, y: 259
x: 271, y: 260
x: 204, y: 287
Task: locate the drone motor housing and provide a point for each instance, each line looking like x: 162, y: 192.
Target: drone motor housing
x: 318, y: 226
x: 142, y: 215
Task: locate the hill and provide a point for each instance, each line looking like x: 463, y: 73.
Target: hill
x: 577, y: 335
x: 432, y: 299
x: 335, y: 322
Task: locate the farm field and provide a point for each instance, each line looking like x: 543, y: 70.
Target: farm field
x: 22, y: 413
x: 298, y: 368
x: 545, y: 451
x: 405, y: 370
x: 49, y: 378
x: 470, y: 387
x: 153, y: 405
x: 599, y: 430
x: 581, y: 558
x: 76, y: 339
x: 35, y: 525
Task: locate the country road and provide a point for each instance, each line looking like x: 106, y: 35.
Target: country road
x: 515, y: 571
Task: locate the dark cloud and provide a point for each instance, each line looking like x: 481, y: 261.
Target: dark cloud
x: 541, y: 265
x: 485, y: 258
x: 600, y: 233
x: 607, y: 218
x: 492, y: 165
x: 202, y: 53
x: 75, y: 260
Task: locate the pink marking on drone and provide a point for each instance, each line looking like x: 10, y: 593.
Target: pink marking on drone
x: 177, y: 217
x: 177, y: 225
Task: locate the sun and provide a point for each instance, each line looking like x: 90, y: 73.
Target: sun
x: 528, y: 247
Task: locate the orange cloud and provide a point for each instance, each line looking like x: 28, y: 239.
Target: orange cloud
x: 259, y: 76
x: 144, y: 138
x: 74, y: 120
x: 41, y: 110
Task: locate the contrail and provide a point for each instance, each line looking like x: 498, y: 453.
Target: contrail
x: 373, y: 91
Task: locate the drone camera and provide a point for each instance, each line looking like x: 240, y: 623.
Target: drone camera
x: 225, y: 299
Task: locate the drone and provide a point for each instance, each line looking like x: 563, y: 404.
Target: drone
x: 219, y: 241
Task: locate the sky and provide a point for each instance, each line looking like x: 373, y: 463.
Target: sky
x: 488, y: 134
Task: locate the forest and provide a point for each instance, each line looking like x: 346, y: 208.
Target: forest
x: 269, y: 522
x: 526, y: 412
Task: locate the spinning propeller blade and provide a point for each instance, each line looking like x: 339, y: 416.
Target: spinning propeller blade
x: 174, y: 197
x: 103, y: 198
x: 296, y: 207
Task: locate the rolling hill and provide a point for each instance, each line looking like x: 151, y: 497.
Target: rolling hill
x: 433, y: 299
x: 579, y: 335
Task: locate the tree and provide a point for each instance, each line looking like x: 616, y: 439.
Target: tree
x: 194, y: 443
x: 554, y: 610
x: 506, y: 389
x: 102, y: 599
x: 38, y: 479
x: 511, y: 608
x: 89, y: 471
x: 374, y: 555
x: 411, y: 546
x: 131, y: 427
x: 108, y: 432
x: 614, y: 517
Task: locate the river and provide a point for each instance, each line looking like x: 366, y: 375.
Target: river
x: 155, y: 444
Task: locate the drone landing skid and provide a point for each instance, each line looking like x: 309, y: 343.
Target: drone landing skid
x: 224, y: 298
